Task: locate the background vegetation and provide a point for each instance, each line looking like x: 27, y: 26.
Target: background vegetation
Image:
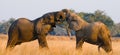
x: 98, y: 15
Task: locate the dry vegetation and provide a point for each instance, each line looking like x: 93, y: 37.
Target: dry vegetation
x: 57, y: 46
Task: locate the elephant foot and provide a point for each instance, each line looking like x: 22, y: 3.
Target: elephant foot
x: 10, y: 48
x: 110, y: 53
x: 79, y: 52
x: 44, y: 51
x: 45, y: 48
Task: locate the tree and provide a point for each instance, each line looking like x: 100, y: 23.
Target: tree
x: 115, y: 31
x: 97, y: 16
x: 4, y: 26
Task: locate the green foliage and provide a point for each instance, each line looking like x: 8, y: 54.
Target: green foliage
x: 116, y: 30
x: 97, y: 16
x: 4, y: 26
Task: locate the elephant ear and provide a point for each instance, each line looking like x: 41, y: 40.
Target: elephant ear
x: 60, y: 16
x: 38, y: 26
x: 48, y: 18
x: 52, y: 20
x: 74, y: 25
x: 75, y: 22
x: 66, y: 11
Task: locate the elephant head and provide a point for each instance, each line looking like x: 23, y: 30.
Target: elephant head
x: 74, y: 21
x: 60, y: 17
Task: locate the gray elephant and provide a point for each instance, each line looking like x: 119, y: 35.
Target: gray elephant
x: 95, y: 33
x: 24, y: 30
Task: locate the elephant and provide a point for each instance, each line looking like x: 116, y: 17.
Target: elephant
x: 95, y: 33
x: 25, y: 30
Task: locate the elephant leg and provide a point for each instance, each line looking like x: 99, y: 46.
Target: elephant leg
x: 99, y: 48
x: 79, y: 43
x: 100, y: 43
x: 12, y: 42
x: 79, y: 39
x: 107, y: 48
x: 42, y: 41
x: 107, y: 44
x: 12, y: 39
x: 18, y: 43
x: 42, y: 33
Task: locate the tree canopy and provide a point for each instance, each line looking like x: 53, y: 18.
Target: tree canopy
x: 97, y: 16
x: 4, y: 26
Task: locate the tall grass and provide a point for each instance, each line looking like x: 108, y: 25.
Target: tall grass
x: 57, y: 46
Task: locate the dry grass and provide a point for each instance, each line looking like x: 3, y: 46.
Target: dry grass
x: 57, y: 46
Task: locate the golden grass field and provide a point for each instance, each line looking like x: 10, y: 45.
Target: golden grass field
x: 57, y: 46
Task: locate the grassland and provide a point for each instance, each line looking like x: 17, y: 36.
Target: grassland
x: 57, y: 46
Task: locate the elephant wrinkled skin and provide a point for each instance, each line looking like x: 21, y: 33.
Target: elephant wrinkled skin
x: 95, y: 33
x: 24, y: 30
